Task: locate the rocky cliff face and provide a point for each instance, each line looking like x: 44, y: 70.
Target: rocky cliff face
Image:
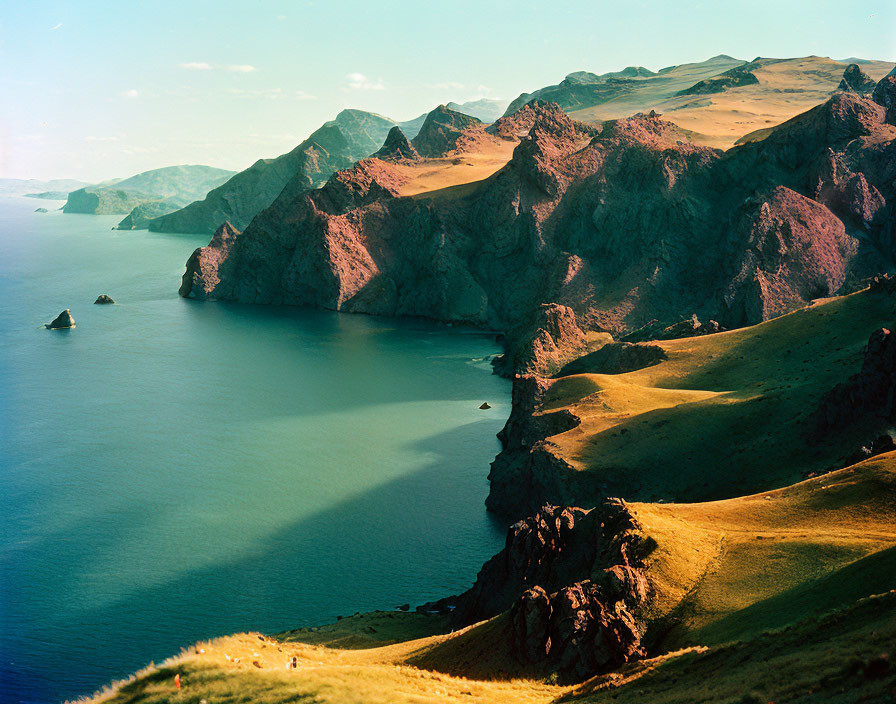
x: 336, y: 145
x: 629, y: 226
x: 445, y: 131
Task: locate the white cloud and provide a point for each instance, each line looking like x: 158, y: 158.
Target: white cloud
x: 358, y: 81
x: 242, y: 68
x: 206, y: 66
x: 197, y: 66
x: 302, y: 95
x: 93, y: 138
x: 54, y: 28
x: 132, y: 93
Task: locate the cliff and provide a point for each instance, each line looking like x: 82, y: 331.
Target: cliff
x: 336, y: 145
x: 629, y: 227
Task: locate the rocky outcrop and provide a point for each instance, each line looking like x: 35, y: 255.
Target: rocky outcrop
x: 733, y: 78
x: 582, y: 630
x: 353, y: 135
x: 542, y: 343
x: 445, y: 131
x: 870, y: 393
x: 397, y: 147
x: 62, y: 321
x: 615, y: 358
x: 574, y: 581
x: 855, y: 80
x: 103, y: 299
x: 690, y: 327
x: 203, y: 266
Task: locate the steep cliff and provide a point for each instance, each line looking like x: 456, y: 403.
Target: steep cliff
x: 630, y: 226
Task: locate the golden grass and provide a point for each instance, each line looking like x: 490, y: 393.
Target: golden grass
x: 726, y: 414
x: 466, y: 167
x: 785, y: 89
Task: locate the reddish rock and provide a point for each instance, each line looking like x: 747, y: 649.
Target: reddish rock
x: 579, y: 631
x: 397, y: 147
x: 624, y: 227
x: 446, y: 131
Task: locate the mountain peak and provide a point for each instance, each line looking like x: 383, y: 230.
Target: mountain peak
x: 397, y: 147
x: 442, y: 130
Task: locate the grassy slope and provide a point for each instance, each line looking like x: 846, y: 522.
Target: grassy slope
x: 785, y: 89
x: 726, y: 414
x: 781, y: 584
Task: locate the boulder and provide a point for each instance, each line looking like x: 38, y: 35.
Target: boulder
x: 484, y: 407
x: 103, y: 299
x: 62, y: 321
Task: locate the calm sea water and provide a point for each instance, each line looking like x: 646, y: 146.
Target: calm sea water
x: 173, y: 470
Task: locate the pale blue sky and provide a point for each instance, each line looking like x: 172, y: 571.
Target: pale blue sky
x: 95, y: 90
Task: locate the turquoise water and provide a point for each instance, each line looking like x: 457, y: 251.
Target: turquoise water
x: 173, y: 470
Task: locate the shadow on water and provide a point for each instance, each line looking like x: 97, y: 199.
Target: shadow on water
x: 408, y: 540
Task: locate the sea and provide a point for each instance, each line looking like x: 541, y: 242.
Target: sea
x: 172, y: 470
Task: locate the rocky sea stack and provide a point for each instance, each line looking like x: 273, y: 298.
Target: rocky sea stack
x: 62, y: 321
x: 103, y: 299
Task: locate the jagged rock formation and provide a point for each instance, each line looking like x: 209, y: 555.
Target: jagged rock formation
x: 446, y: 131
x: 871, y: 392
x: 397, y: 147
x: 615, y: 358
x: 203, y: 265
x: 542, y: 343
x: 62, y: 321
x: 633, y: 225
x: 103, y: 299
x: 732, y: 78
x: 691, y: 327
x: 574, y: 581
x: 581, y: 630
x: 855, y: 80
x: 353, y: 135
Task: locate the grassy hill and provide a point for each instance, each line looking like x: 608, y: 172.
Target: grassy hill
x: 173, y: 185
x: 739, y: 589
x: 715, y: 114
x: 724, y: 415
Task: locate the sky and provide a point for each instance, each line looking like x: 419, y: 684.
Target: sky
x: 97, y: 90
